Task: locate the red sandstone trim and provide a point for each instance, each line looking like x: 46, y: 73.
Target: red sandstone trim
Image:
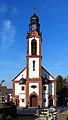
x: 39, y: 97
x: 34, y: 33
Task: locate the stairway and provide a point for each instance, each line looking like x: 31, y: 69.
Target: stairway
x: 45, y: 114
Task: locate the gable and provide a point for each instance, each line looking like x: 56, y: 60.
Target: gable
x: 45, y: 72
x: 22, y: 74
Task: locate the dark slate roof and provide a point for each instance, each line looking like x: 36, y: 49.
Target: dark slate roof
x: 22, y: 81
x: 45, y: 81
x: 34, y: 17
x: 19, y: 73
x: 47, y: 72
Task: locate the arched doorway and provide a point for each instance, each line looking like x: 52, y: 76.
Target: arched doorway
x: 51, y: 102
x: 33, y: 101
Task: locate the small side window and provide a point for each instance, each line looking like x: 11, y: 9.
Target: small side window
x: 44, y: 87
x: 45, y: 75
x: 22, y: 88
x: 22, y: 100
x: 44, y: 100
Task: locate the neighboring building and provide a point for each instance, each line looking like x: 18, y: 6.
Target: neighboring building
x: 34, y: 85
x: 66, y: 80
x: 9, y: 92
x: 5, y: 94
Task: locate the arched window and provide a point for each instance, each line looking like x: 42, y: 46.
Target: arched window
x: 33, y: 65
x: 34, y: 48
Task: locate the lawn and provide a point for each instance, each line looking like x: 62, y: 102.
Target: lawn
x: 65, y: 116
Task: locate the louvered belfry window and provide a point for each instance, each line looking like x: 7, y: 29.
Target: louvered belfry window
x: 34, y: 48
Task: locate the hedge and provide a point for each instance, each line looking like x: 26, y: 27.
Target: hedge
x: 8, y: 103
x: 8, y: 110
x: 3, y: 117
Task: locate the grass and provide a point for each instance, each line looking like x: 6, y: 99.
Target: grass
x: 65, y: 117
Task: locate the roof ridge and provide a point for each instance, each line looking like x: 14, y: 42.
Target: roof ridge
x: 48, y: 72
x: 19, y: 73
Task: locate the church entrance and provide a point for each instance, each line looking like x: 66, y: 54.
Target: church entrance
x: 33, y: 101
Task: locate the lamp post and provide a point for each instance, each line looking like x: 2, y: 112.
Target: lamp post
x: 1, y: 92
x: 2, y: 82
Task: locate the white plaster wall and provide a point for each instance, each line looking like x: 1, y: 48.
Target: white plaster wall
x: 10, y: 96
x: 53, y: 101
x: 16, y: 88
x: 33, y: 74
x: 36, y: 90
x: 23, y: 74
x: 37, y: 39
x: 20, y: 89
x: 21, y: 93
x: 46, y: 97
x: 51, y: 78
x: 22, y: 96
x: 30, y: 39
x: 47, y: 89
x: 52, y: 88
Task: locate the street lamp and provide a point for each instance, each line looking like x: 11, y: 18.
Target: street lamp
x: 2, y: 82
x: 1, y: 92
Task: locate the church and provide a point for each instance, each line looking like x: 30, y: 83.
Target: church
x: 34, y: 86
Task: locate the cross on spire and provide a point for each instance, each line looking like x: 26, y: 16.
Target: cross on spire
x: 34, y: 9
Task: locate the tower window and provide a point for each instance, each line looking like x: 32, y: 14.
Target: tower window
x: 33, y: 65
x: 44, y: 87
x: 22, y: 100
x: 22, y: 88
x: 34, y: 48
x: 44, y: 100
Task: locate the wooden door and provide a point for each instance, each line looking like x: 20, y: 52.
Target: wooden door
x: 33, y: 101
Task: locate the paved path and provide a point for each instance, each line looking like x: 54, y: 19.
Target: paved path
x: 28, y: 111
x: 36, y: 118
x: 60, y: 117
x: 65, y: 112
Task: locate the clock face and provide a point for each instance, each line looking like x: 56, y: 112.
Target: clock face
x: 34, y: 27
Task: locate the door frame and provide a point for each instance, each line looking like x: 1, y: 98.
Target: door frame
x: 31, y: 100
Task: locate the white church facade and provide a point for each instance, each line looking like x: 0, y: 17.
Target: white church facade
x: 34, y: 86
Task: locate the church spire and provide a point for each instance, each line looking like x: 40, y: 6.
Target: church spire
x: 34, y: 23
x: 34, y: 10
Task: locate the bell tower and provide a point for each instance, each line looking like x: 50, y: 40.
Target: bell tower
x: 34, y: 39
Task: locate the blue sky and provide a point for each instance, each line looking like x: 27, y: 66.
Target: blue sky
x: 14, y: 20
